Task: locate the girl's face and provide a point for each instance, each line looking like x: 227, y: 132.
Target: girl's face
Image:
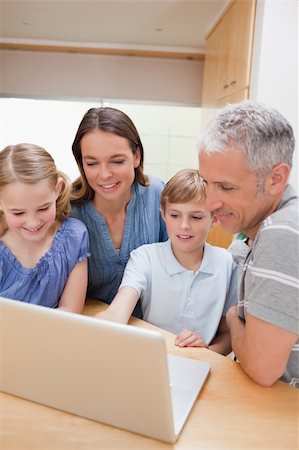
x: 109, y: 164
x: 29, y: 209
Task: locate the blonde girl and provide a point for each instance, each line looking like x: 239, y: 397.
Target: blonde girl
x: 43, y: 253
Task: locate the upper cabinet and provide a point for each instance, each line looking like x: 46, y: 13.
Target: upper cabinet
x: 228, y: 55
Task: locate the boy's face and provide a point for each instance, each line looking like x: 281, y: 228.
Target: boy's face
x: 187, y: 225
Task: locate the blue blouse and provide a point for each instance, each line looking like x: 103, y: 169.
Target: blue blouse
x: 144, y: 225
x: 44, y: 283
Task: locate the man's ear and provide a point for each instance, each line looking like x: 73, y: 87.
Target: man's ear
x: 278, y: 178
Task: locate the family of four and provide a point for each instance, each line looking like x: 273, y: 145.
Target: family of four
x: 139, y: 245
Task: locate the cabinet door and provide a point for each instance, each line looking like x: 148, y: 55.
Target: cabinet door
x: 211, y: 69
x: 241, y: 42
x: 223, y: 37
x: 239, y: 25
x: 233, y: 98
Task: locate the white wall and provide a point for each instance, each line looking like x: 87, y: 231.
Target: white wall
x: 275, y: 62
x: 168, y: 133
x: 65, y: 75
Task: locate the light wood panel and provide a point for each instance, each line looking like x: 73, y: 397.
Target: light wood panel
x: 233, y: 98
x: 229, y: 53
x: 196, y: 56
x: 217, y: 236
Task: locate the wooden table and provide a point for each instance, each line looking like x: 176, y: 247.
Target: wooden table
x: 232, y: 412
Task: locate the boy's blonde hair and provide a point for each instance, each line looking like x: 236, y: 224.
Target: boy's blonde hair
x: 28, y: 163
x: 183, y: 187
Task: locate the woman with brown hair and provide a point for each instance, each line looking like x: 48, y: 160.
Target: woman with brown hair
x: 118, y: 203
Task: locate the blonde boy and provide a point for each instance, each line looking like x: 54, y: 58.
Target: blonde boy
x: 185, y: 285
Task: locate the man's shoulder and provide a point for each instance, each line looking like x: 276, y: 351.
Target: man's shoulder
x: 287, y: 212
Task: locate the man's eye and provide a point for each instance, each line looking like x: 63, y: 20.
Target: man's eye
x: 226, y: 188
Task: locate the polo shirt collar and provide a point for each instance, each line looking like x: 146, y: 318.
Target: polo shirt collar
x: 173, y: 266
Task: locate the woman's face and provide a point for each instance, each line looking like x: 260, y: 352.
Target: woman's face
x: 108, y: 163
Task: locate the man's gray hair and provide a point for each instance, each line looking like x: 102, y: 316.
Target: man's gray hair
x: 261, y: 132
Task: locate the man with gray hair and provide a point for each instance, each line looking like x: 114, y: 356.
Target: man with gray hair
x: 245, y: 158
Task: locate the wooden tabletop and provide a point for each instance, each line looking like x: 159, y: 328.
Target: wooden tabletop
x: 231, y: 412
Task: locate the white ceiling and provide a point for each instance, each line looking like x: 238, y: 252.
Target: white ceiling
x: 178, y: 25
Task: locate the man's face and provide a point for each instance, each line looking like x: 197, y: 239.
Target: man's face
x: 232, y: 192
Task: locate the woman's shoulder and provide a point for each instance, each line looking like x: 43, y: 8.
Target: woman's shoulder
x: 155, y: 187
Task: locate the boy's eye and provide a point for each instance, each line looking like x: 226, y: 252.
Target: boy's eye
x: 196, y: 217
x: 174, y: 215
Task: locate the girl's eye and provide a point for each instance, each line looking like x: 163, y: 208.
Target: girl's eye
x: 18, y: 213
x: 44, y: 209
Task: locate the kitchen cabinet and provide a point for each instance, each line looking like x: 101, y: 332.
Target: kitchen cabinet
x: 228, y: 53
x: 227, y: 72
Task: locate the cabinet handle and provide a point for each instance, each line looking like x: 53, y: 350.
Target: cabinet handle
x: 225, y: 86
x: 233, y: 82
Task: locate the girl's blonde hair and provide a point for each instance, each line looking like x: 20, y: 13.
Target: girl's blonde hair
x: 28, y: 163
x: 183, y: 187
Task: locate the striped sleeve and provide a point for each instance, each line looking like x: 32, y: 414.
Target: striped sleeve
x: 273, y: 276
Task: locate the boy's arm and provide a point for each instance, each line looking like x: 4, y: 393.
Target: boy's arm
x: 74, y: 293
x: 263, y: 349
x: 222, y: 343
x: 122, y: 306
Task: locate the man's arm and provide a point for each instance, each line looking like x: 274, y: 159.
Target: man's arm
x: 262, y: 349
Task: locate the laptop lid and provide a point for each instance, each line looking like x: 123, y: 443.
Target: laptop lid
x: 113, y: 373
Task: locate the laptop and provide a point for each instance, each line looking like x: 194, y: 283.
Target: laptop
x: 113, y: 373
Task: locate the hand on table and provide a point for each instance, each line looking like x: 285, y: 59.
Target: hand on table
x: 188, y: 338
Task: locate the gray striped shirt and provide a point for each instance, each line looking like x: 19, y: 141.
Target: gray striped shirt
x: 269, y: 280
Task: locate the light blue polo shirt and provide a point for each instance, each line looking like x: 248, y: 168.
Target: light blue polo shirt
x: 173, y: 297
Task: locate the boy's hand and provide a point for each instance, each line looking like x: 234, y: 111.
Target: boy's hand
x: 188, y: 338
